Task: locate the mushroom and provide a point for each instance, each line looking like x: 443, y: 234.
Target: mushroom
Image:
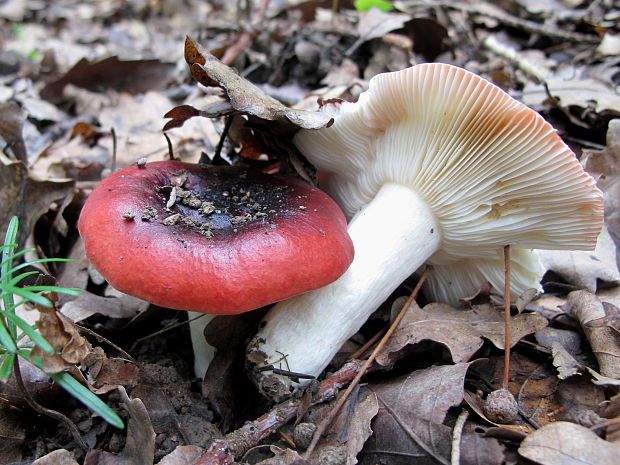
x: 435, y: 165
x: 217, y: 240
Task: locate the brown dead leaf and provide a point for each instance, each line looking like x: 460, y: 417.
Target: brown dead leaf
x: 604, y: 340
x: 585, y: 269
x: 11, y: 121
x: 140, y: 443
x: 133, y: 76
x: 461, y: 331
x: 27, y: 197
x: 282, y: 457
x: 544, y: 398
x: 12, y: 434
x: 350, y: 429
x: 412, y: 409
x: 564, y: 443
x: 605, y: 166
x: 69, y: 346
x: 222, y: 380
x: 57, y: 457
x: 375, y: 23
x: 574, y: 91
x: 244, y: 96
x: 106, y: 374
x: 182, y: 455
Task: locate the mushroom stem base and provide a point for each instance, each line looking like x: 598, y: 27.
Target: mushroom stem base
x: 393, y: 235
x: 203, y: 351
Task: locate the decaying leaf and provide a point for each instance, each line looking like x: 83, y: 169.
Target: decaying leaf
x: 57, y: 457
x: 461, y: 331
x: 106, y: 374
x: 564, y: 443
x: 585, y: 269
x: 11, y: 121
x: 182, y: 455
x: 244, y: 96
x: 412, y: 409
x: 544, y: 398
x: 27, y: 197
x: 605, y: 166
x: 133, y: 76
x: 580, y: 92
x: 12, y: 434
x: 604, y: 339
x: 69, y: 346
x: 140, y: 443
x: 350, y: 429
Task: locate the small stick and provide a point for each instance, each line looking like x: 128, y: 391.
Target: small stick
x: 359, y: 352
x: 457, y: 433
x: 506, y: 317
x: 169, y: 142
x: 34, y: 405
x: 237, y: 443
x: 114, y: 143
x: 334, y: 411
x: 246, y: 38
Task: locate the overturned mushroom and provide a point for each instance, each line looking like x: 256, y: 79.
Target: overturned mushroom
x: 218, y: 240
x: 434, y: 165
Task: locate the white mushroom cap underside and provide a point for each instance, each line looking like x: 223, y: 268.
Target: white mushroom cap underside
x: 493, y: 171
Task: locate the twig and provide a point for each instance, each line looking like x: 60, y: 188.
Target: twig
x: 334, y: 411
x: 506, y: 376
x: 114, y: 144
x: 359, y: 352
x: 412, y: 433
x: 509, y: 20
x: 457, y: 432
x: 34, y: 405
x: 246, y: 37
x: 217, y: 155
x: 237, y: 443
x: 169, y: 142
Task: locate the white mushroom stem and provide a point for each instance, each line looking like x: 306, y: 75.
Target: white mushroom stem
x: 203, y: 351
x: 393, y: 235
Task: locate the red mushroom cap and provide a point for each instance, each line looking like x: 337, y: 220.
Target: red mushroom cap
x: 212, y: 239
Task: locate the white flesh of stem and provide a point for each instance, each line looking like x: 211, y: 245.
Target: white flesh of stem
x: 393, y: 235
x: 203, y: 352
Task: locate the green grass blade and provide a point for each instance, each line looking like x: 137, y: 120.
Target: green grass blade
x: 6, y: 340
x: 14, y: 255
x: 6, y: 366
x: 15, y: 279
x: 29, y: 331
x: 89, y: 399
x: 28, y: 295
x: 41, y: 260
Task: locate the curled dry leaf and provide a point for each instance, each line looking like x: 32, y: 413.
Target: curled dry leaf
x: 140, y: 443
x: 57, y: 457
x: 585, y: 269
x: 27, y: 197
x: 133, y: 76
x: 350, y: 429
x: 461, y: 331
x: 11, y: 121
x: 604, y: 340
x: 574, y: 91
x: 564, y: 443
x: 12, y: 433
x: 182, y: 455
x: 244, y: 96
x: 69, y: 346
x: 412, y: 409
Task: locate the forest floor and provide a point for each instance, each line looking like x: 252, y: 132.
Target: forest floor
x: 84, y: 87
